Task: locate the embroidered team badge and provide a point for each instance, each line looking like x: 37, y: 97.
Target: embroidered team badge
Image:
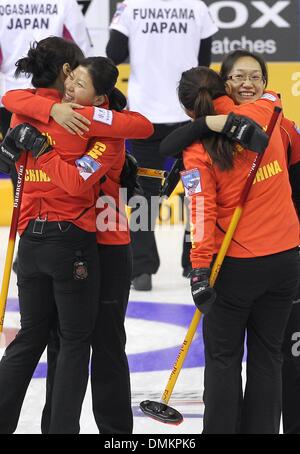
x: 87, y: 166
x: 191, y: 180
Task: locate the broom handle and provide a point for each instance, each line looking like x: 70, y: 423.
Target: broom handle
x: 12, y: 237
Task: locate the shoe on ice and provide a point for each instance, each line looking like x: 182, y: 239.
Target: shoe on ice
x: 143, y: 282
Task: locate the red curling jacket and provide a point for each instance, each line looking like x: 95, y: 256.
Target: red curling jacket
x: 269, y: 223
x: 43, y: 196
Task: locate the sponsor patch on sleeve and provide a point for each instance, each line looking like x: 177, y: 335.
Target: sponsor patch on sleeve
x: 269, y: 97
x: 120, y: 8
x: 191, y: 180
x: 103, y: 116
x: 87, y: 166
x: 297, y: 129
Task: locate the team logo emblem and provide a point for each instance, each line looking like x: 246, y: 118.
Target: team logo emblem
x: 191, y: 181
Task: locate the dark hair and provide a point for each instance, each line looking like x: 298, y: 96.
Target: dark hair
x: 230, y: 60
x: 104, y: 75
x: 46, y: 58
x: 197, y: 89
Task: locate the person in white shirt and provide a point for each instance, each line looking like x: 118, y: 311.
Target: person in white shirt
x: 23, y: 22
x: 162, y: 38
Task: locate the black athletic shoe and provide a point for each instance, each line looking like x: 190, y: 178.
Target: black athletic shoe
x: 142, y: 283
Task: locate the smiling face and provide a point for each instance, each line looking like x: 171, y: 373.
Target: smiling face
x: 79, y: 88
x: 245, y: 82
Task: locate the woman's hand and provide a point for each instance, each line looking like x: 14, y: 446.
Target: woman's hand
x: 73, y: 122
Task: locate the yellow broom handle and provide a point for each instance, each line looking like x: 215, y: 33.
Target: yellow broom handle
x: 12, y: 238
x: 197, y: 316
x: 6, y: 280
x: 153, y: 173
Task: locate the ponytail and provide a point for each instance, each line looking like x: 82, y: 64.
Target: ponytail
x: 45, y: 60
x: 117, y: 101
x: 37, y: 65
x: 203, y: 103
x: 197, y: 89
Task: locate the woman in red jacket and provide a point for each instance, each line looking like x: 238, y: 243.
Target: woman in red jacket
x: 110, y: 372
x: 242, y: 91
x: 246, y: 78
x: 58, y: 257
x: 260, y: 274
x: 110, y: 377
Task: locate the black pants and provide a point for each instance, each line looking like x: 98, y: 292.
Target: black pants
x: 5, y: 117
x: 254, y: 296
x: 144, y: 248
x: 47, y: 288
x: 291, y: 372
x: 110, y: 377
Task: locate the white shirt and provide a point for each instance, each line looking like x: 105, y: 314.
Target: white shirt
x: 24, y: 21
x: 164, y: 39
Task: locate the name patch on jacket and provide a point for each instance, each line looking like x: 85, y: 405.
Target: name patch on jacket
x: 87, y: 166
x: 191, y: 180
x: 103, y: 116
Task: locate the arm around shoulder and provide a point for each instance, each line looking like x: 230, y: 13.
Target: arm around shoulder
x: 26, y: 102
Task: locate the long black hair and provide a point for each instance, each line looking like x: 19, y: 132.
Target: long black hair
x: 197, y: 89
x: 104, y: 75
x: 230, y: 60
x: 46, y: 58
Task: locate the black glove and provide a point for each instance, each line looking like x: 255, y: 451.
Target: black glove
x: 246, y: 132
x: 129, y: 178
x: 4, y: 167
x: 9, y: 152
x: 28, y: 138
x: 203, y: 295
x: 172, y: 179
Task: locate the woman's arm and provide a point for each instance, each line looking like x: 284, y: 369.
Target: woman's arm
x: 104, y: 122
x: 260, y: 111
x: 26, y: 102
x: 203, y: 205
x: 117, y: 125
x: 79, y: 177
x: 183, y: 137
x: 238, y: 128
x: 117, y: 48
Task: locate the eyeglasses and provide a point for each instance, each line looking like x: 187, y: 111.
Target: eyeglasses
x: 240, y: 78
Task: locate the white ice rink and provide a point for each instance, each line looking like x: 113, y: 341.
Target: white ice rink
x: 154, y: 338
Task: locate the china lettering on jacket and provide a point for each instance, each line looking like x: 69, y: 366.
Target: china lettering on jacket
x: 36, y: 176
x: 97, y: 151
x: 268, y: 171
